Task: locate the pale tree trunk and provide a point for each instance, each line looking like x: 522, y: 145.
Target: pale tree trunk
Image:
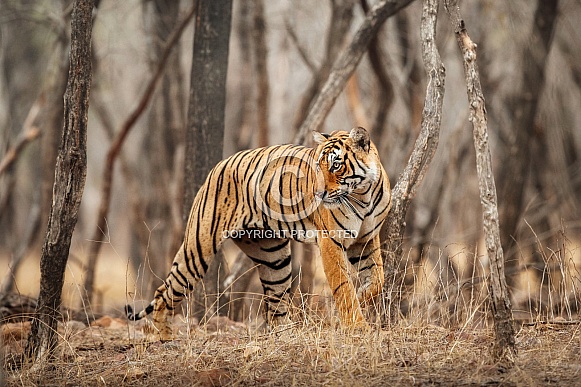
x: 261, y: 69
x: 504, y: 348
x: 205, y: 127
x: 71, y: 168
x: 425, y: 146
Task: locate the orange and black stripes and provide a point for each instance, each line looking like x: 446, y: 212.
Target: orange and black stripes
x: 301, y: 193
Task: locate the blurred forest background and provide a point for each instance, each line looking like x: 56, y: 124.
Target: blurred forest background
x: 281, y: 52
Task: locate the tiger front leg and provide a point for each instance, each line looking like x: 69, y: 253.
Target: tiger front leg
x: 335, y: 267
x: 366, y: 258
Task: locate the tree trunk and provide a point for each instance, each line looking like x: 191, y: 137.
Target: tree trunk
x: 205, y: 128
x: 393, y: 229
x: 68, y: 188
x: 504, y: 349
x: 260, y: 53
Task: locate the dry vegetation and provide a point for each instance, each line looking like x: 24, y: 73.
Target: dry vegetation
x: 443, y: 339
x: 442, y: 336
x: 222, y: 352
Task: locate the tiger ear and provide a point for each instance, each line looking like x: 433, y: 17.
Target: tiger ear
x: 320, y: 137
x: 360, y: 138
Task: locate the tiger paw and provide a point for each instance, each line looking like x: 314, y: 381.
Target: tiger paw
x: 359, y: 327
x: 367, y: 292
x: 154, y: 333
x: 280, y: 323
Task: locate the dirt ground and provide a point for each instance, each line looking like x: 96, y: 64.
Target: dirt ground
x: 112, y: 352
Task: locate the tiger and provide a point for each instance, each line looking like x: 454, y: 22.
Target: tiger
x: 335, y: 194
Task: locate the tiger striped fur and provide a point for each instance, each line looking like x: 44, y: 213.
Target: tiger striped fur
x: 336, y: 195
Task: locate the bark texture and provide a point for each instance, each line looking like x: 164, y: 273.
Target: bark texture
x: 205, y: 129
x: 68, y: 188
x: 504, y: 348
x: 422, y: 154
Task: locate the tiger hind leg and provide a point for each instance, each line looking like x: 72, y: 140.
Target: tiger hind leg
x: 274, y: 269
x: 169, y: 296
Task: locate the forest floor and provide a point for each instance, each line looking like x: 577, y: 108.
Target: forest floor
x: 112, y: 352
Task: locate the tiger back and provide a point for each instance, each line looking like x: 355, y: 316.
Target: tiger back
x: 336, y: 195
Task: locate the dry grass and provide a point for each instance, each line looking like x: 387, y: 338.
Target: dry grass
x: 310, y: 353
x: 443, y: 339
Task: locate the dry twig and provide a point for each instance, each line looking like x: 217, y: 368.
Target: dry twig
x: 29, y: 133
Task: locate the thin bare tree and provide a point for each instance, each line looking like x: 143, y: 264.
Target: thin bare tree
x: 112, y: 155
x: 523, y: 110
x: 71, y: 169
x: 425, y: 146
x: 504, y: 348
x: 152, y: 244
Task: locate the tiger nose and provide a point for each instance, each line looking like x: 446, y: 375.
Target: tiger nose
x: 321, y: 195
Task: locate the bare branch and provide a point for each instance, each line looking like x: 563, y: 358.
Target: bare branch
x: 29, y: 133
x: 345, y: 65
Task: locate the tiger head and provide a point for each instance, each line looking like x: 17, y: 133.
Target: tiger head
x: 349, y: 164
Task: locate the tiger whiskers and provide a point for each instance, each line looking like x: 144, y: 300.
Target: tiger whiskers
x: 357, y: 201
x: 344, y: 199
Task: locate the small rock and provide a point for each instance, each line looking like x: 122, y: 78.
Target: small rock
x: 109, y: 322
